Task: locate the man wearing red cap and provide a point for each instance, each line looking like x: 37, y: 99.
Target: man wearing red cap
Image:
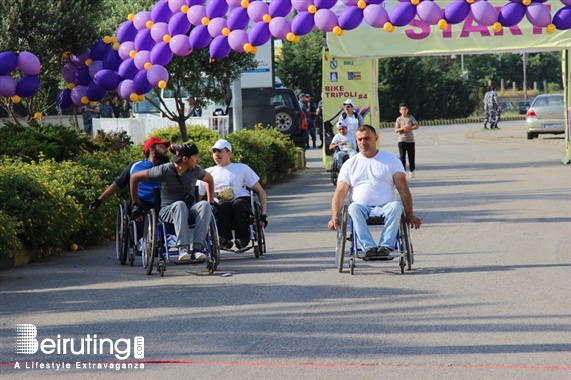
x: 156, y: 151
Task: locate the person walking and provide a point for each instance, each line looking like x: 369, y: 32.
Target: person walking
x: 404, y: 126
x: 492, y: 103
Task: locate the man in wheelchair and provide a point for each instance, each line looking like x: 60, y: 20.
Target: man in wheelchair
x: 230, y: 181
x: 177, y: 184
x: 372, y: 177
x: 344, y: 143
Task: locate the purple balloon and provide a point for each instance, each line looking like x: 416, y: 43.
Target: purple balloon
x: 302, y: 23
x: 126, y: 32
x: 238, y: 38
x: 484, y: 13
x: 256, y: 10
x: 161, y: 12
x: 199, y: 37
x: 141, y: 58
x: 79, y: 60
x: 195, y: 14
x: 8, y: 62
x: 7, y: 86
x: 300, y: 5
x: 161, y: 54
x: 95, y: 93
x: 179, y: 24
x: 279, y: 8
x: 538, y: 14
x: 280, y: 27
x: 125, y: 49
x: 98, y: 50
x: 190, y: 3
x: 28, y: 63
x: 456, y: 11
x: 142, y: 85
x: 140, y: 21
x: 259, y: 34
x: 95, y: 67
x: 351, y: 17
x: 566, y: 2
x: 82, y: 77
x: 68, y: 72
x: 63, y: 99
x: 27, y: 86
x: 127, y: 69
x: 77, y: 93
x: 238, y: 19
x: 180, y: 45
x: 107, y: 80
x: 431, y: 13
x: 219, y: 48
x: 216, y: 8
x: 175, y: 5
x: 144, y: 40
x: 216, y: 25
x: 159, y: 30
x: 234, y: 3
x: 111, y: 61
x: 375, y: 15
x: 126, y: 88
x: 156, y: 74
x: 511, y: 14
x: 562, y: 18
x: 403, y: 13
x: 328, y: 4
x: 326, y: 20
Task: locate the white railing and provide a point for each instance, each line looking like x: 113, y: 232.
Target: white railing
x: 138, y: 129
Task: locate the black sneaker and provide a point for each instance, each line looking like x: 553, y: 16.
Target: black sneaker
x: 241, y: 243
x: 384, y: 253
x: 371, y: 252
x: 225, y: 244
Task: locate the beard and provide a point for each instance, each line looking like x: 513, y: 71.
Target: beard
x: 163, y: 158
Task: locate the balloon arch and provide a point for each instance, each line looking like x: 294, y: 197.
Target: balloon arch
x: 133, y: 61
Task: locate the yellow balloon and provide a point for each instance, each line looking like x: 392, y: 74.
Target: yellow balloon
x: 205, y: 21
x: 389, y: 27
x: 550, y: 29
x: 66, y: 55
x: 254, y: 50
x: 443, y: 24
x: 415, y: 2
x: 245, y: 3
x: 470, y: 1
x: 88, y: 62
x: 290, y: 36
x: 107, y: 40
x: 361, y: 4
x: 38, y: 116
x: 526, y: 2
x: 114, y: 39
x: 148, y: 65
x: 184, y: 9
x: 162, y: 84
x: 338, y: 31
x: 296, y: 39
x: 92, y: 104
x: 267, y: 18
x: 132, y: 53
x: 133, y: 97
x: 71, y: 86
x: 116, y: 46
x: 141, y: 98
x: 248, y: 47
x: 225, y: 32
x: 496, y: 27
x: 167, y: 38
x: 16, y: 99
x: 149, y: 24
x: 312, y: 9
x: 131, y: 17
x: 84, y: 100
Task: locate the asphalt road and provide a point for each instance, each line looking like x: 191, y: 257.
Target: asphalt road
x: 488, y: 296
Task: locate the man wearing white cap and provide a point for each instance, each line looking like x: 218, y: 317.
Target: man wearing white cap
x: 354, y: 119
x: 345, y: 142
x: 230, y: 182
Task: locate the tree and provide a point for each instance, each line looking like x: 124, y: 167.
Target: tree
x: 299, y: 65
x: 47, y: 28
x: 204, y: 79
x: 116, y: 12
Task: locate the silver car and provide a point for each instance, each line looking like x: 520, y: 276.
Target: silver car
x: 546, y: 115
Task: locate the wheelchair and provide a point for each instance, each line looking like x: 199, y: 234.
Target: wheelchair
x: 346, y: 234
x: 335, y: 167
x: 155, y: 242
x: 125, y: 235
x: 256, y: 228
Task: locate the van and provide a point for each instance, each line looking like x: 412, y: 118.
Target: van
x: 146, y: 109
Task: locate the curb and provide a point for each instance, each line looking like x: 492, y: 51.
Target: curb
x: 386, y: 124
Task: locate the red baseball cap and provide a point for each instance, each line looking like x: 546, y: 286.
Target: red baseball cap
x: 152, y: 141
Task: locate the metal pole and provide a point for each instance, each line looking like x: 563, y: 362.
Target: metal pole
x: 524, y: 76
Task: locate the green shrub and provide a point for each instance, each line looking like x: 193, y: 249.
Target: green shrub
x: 9, y: 242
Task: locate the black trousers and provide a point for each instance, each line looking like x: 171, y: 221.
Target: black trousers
x: 234, y: 215
x: 404, y: 149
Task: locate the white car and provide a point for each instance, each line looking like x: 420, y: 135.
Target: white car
x: 546, y: 115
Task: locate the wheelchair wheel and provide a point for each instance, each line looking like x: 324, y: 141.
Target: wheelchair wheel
x: 260, y: 241
x: 334, y: 172
x: 341, y: 240
x: 122, y: 233
x: 149, y: 241
x: 352, y: 265
x: 133, y: 241
x: 214, y: 247
x: 407, y: 243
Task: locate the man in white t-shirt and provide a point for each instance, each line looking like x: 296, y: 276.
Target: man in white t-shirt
x: 372, y: 176
x: 230, y: 182
x: 345, y: 141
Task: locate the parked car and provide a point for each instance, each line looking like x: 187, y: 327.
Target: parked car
x: 506, y: 106
x: 546, y: 115
x: 290, y: 119
x: 523, y: 106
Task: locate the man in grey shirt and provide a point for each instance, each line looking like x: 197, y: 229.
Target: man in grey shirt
x: 177, y: 183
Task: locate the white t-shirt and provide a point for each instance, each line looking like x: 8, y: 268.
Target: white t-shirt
x: 371, y: 179
x: 350, y: 139
x: 230, y: 181
x: 353, y: 122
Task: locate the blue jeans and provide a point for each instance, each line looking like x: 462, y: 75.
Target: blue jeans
x: 391, y: 211
x: 181, y: 215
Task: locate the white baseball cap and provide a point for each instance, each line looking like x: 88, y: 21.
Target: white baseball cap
x: 221, y: 144
x: 349, y: 101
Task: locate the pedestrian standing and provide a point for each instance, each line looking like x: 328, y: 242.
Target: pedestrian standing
x: 404, y: 126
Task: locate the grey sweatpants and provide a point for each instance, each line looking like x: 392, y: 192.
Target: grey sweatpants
x: 179, y: 214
